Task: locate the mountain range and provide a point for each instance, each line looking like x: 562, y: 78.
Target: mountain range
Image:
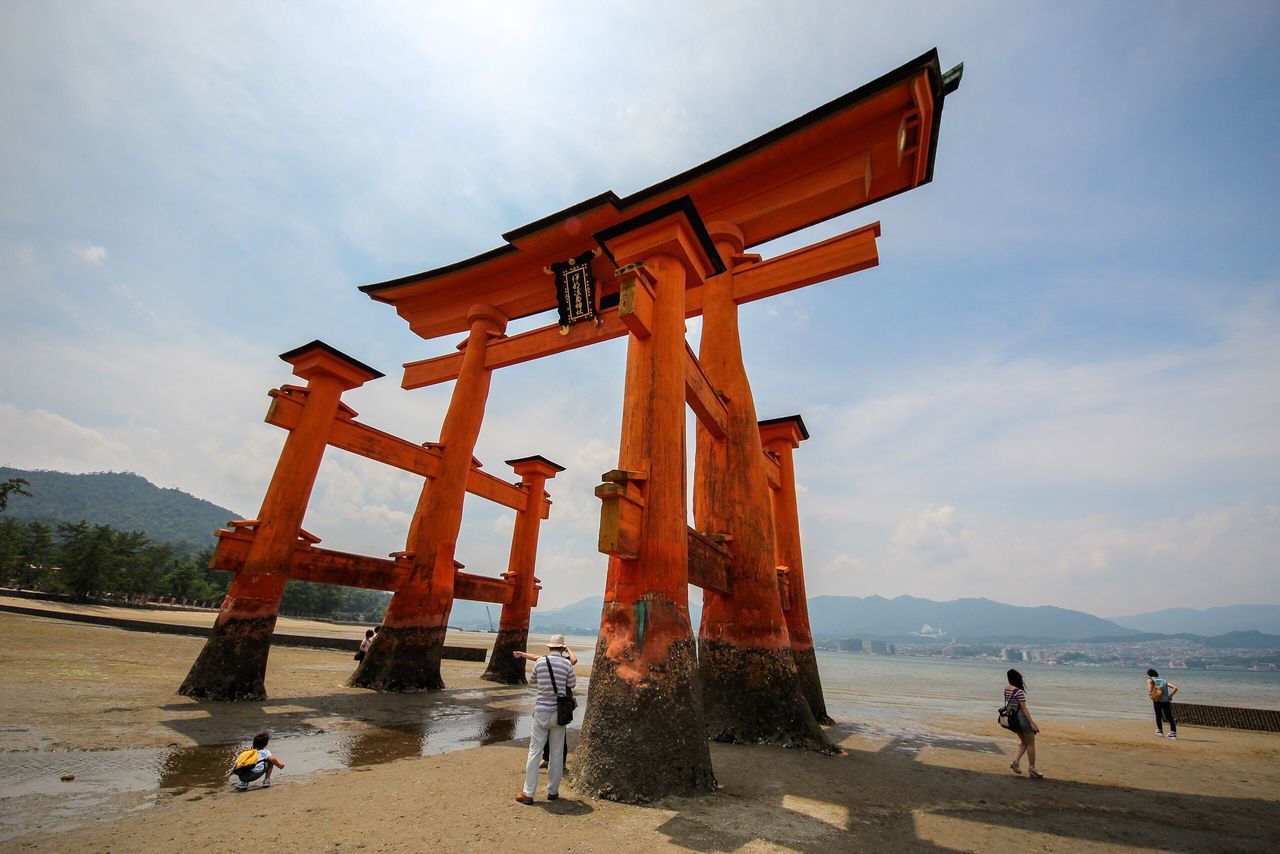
x: 127, y: 501
x: 1210, y: 621
x: 904, y: 617
x: 870, y: 617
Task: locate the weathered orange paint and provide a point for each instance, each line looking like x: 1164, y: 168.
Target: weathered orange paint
x: 840, y: 255
x: 325, y: 566
x: 750, y: 685
x: 513, y: 628
x: 233, y: 663
x: 407, y: 655
x: 653, y: 442
x: 643, y: 734
x: 371, y: 443
x: 839, y: 157
x: 781, y: 437
x: 730, y: 493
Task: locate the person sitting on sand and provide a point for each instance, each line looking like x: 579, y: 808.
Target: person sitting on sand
x: 255, y: 762
x: 546, y: 749
x: 553, y: 676
x: 1016, y: 693
x: 1161, y: 694
x: 365, y: 644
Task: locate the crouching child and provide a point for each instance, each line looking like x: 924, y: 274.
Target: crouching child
x: 256, y: 762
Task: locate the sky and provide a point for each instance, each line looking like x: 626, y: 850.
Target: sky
x: 1061, y: 385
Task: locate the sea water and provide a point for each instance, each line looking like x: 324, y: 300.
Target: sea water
x: 889, y: 689
x: 909, y: 693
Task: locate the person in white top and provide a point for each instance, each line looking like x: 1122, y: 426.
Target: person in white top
x: 553, y: 677
x: 546, y: 750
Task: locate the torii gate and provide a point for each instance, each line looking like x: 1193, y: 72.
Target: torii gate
x: 267, y: 551
x: 672, y: 251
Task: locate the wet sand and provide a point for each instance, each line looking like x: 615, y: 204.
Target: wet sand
x: 100, y: 703
x: 204, y: 619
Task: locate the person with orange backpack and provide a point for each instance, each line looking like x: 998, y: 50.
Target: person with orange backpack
x: 255, y: 762
x: 1161, y: 693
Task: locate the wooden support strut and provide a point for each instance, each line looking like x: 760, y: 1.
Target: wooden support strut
x: 363, y: 440
x: 846, y: 253
x: 233, y: 663
x: 705, y: 401
x: 622, y: 508
x: 325, y: 566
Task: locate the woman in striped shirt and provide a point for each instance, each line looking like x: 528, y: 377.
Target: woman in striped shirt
x: 1015, y: 694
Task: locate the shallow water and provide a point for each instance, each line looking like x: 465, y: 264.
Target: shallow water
x: 110, y: 782
x: 909, y: 692
x: 897, y: 698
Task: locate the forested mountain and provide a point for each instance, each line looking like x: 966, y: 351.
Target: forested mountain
x: 1210, y: 621
x: 122, y: 500
x: 969, y: 619
x: 889, y: 619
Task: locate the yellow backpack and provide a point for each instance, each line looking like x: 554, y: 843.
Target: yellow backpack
x: 247, y: 759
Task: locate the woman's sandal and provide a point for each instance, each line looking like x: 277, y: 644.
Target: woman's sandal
x: 1013, y: 766
x: 1035, y: 775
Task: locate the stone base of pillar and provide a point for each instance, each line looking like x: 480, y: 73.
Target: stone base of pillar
x: 233, y: 664
x: 642, y: 742
x: 811, y: 683
x: 752, y: 696
x: 504, y: 668
x: 403, y: 659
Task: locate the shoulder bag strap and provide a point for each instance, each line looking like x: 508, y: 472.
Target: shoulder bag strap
x: 552, y: 672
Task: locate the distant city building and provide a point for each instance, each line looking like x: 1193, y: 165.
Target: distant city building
x: 1006, y: 654
x: 851, y: 645
x: 879, y: 648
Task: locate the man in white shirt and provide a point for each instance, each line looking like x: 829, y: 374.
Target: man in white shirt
x: 553, y: 677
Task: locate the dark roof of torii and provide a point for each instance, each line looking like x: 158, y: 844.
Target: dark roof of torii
x: 855, y: 150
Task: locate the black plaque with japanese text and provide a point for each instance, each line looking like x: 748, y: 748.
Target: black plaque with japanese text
x: 575, y: 289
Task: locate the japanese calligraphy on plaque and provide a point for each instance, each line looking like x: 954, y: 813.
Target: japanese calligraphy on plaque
x: 575, y: 290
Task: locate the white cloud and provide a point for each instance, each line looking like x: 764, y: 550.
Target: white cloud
x: 930, y: 537
x: 39, y: 439
x: 90, y: 254
x: 247, y: 170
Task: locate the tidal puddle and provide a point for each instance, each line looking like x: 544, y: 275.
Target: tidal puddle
x: 902, y: 740
x: 109, y: 783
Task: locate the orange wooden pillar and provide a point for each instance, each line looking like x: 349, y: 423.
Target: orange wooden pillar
x: 643, y: 733
x: 513, y: 629
x: 407, y: 654
x: 780, y: 437
x: 750, y: 687
x: 233, y: 663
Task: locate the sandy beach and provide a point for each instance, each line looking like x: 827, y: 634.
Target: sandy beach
x: 439, y: 771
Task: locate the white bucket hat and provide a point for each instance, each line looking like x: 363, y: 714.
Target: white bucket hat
x: 555, y: 642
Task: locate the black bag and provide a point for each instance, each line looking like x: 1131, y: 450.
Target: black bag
x: 1008, y: 717
x: 564, y: 705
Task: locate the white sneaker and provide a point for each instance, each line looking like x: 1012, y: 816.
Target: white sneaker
x: 1160, y: 733
x: 242, y: 787
x: 1172, y: 735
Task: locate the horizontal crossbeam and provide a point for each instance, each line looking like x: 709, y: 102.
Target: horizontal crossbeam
x: 365, y: 441
x: 846, y: 253
x: 325, y: 566
x: 772, y: 471
x: 709, y: 563
x: 702, y: 397
x: 841, y: 255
